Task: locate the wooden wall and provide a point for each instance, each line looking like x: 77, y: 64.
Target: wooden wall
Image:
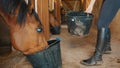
x: 75, y: 5
x: 44, y: 15
x: 115, y: 26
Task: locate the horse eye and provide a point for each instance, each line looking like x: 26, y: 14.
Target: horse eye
x: 39, y: 29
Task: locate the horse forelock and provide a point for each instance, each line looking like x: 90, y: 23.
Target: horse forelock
x: 9, y: 6
x: 24, y: 8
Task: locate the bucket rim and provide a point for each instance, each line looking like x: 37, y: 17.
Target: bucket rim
x: 80, y: 14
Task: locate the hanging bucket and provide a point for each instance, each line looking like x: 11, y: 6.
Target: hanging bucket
x: 48, y: 58
x: 79, y: 23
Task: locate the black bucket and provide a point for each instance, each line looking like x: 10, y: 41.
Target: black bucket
x: 79, y: 23
x: 48, y: 58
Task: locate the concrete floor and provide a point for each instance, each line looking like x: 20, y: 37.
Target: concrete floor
x: 73, y: 49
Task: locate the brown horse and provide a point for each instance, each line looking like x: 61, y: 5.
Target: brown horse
x: 54, y: 16
x: 24, y: 25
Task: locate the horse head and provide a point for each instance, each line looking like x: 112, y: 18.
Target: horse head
x: 25, y: 25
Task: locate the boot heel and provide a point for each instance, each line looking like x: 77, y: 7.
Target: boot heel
x: 107, y: 52
x: 98, y: 62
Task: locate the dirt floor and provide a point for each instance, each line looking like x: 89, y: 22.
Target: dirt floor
x: 73, y: 49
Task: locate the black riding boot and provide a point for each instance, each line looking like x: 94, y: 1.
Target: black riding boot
x: 96, y: 59
x: 107, y: 44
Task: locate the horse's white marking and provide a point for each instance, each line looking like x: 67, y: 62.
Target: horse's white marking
x: 36, y: 6
x: 26, y: 2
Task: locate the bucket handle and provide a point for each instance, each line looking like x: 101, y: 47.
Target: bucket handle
x: 57, y: 40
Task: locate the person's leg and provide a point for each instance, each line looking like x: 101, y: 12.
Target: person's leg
x: 106, y: 18
x: 109, y: 10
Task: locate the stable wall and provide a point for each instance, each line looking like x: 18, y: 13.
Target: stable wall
x: 44, y: 16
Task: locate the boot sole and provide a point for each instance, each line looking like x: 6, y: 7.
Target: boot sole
x: 95, y: 64
x: 107, y: 52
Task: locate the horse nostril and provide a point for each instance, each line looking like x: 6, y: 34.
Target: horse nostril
x: 39, y: 29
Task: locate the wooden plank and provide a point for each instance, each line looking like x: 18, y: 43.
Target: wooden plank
x: 68, y: 4
x: 44, y: 15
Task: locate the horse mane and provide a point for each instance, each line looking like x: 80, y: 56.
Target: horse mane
x: 22, y: 13
x: 9, y: 6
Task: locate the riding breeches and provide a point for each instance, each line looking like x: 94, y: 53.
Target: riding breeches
x: 108, y: 11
